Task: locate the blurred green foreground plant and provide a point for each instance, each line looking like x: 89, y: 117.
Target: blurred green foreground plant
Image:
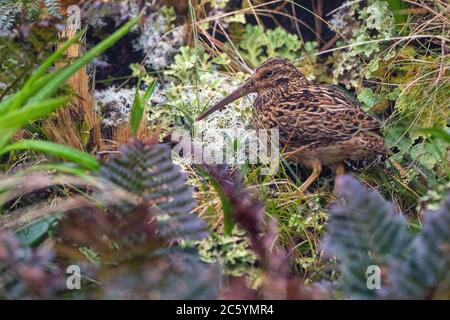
x: 36, y: 100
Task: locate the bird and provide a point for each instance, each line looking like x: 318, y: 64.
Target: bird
x: 319, y: 125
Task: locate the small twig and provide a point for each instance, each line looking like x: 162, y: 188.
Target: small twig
x: 329, y: 43
x: 281, y: 6
x: 318, y: 10
x: 108, y: 152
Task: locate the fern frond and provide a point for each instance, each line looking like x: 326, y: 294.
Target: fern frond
x: 171, y: 274
x: 53, y: 7
x: 425, y: 273
x: 32, y: 9
x: 24, y: 272
x: 364, y: 230
x: 8, y: 15
x: 147, y: 170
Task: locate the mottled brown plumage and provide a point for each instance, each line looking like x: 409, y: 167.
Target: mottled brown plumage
x: 318, y: 124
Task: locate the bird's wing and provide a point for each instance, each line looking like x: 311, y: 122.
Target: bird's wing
x: 322, y: 114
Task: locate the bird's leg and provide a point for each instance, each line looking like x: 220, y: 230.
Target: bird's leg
x: 317, y: 168
x: 339, y: 170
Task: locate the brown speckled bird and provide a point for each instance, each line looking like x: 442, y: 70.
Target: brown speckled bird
x: 319, y: 125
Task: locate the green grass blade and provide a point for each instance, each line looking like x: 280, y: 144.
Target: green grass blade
x: 227, y: 207
x: 68, y: 168
x: 68, y: 71
x: 139, y: 105
x: 32, y: 90
x: 42, y: 69
x: 83, y: 159
x: 37, y: 80
x: 398, y: 9
x: 137, y: 110
x: 439, y: 133
x: 35, y: 232
x: 19, y: 117
x: 5, y: 136
x: 148, y: 93
x: 5, y: 103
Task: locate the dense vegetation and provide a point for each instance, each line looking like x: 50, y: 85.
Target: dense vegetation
x: 88, y: 177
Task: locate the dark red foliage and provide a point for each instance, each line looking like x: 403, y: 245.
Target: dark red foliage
x: 249, y: 213
x: 26, y: 273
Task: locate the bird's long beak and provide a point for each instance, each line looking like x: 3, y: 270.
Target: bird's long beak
x: 240, y: 91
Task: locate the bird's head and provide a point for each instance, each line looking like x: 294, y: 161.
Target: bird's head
x: 269, y: 76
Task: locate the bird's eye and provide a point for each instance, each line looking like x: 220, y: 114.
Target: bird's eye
x: 269, y: 73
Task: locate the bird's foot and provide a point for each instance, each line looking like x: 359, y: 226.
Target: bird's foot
x: 335, y: 195
x: 336, y: 190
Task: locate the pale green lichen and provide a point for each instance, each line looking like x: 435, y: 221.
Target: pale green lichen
x: 114, y: 105
x: 160, y: 38
x: 233, y: 252
x: 365, y: 27
x: 194, y: 85
x: 258, y: 45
